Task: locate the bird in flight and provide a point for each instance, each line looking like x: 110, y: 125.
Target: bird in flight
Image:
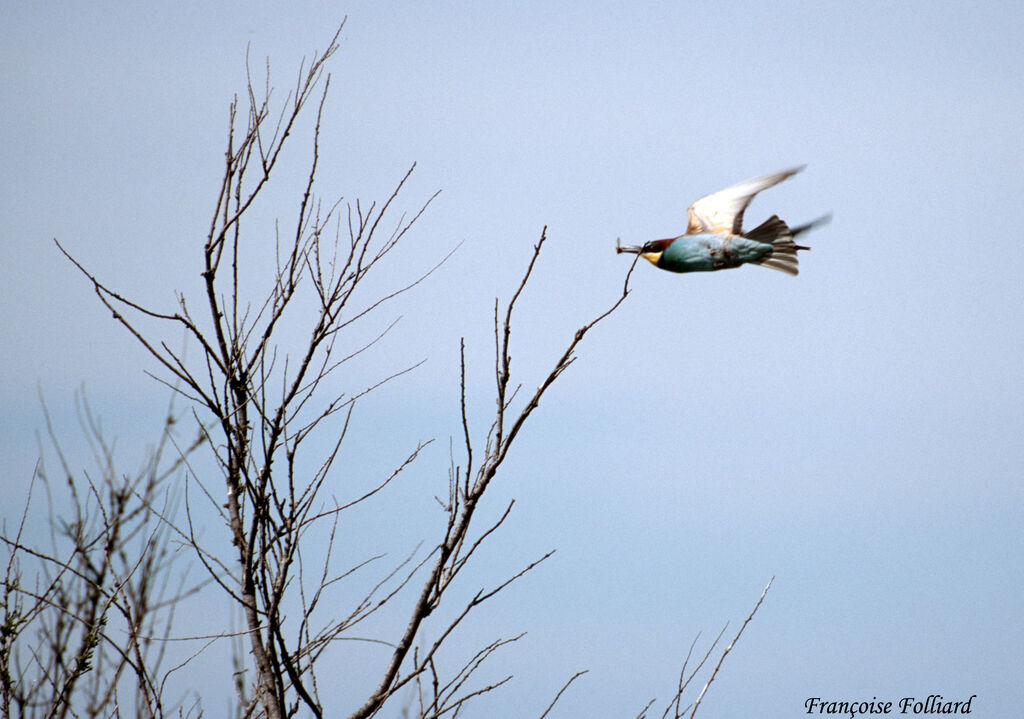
x: 715, y: 240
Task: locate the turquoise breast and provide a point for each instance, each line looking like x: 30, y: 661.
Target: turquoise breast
x: 708, y: 252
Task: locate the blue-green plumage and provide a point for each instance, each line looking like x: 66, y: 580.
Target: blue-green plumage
x: 715, y: 239
x: 707, y: 251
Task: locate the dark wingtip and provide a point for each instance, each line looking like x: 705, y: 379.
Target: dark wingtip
x: 823, y: 220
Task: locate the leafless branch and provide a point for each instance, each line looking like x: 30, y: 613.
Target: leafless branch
x: 728, y: 649
x: 561, y: 691
x: 464, y: 501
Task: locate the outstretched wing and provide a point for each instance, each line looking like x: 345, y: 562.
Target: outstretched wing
x: 722, y: 212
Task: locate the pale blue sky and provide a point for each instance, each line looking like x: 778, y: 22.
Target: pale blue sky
x: 856, y: 431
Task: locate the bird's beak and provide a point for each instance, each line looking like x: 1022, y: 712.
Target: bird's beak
x: 631, y: 249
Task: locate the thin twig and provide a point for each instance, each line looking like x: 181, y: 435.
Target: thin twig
x: 561, y: 691
x: 721, y: 659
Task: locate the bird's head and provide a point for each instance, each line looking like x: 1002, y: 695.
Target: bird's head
x: 650, y: 251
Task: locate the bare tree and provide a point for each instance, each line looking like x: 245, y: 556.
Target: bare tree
x: 91, y: 628
x: 264, y: 408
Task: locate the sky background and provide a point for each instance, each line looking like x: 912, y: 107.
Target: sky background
x: 856, y: 432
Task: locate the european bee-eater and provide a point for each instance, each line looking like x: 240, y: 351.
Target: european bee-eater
x: 715, y: 240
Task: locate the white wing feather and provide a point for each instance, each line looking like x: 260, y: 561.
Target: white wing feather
x: 722, y: 212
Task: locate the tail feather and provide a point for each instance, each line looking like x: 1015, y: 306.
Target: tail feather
x: 783, y: 255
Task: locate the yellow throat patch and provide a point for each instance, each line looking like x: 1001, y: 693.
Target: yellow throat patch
x: 651, y: 257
